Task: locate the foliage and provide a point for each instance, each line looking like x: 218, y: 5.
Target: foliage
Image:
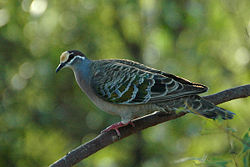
x: 43, y: 115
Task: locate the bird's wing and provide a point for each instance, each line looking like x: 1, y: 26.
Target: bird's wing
x: 149, y: 69
x: 121, y: 83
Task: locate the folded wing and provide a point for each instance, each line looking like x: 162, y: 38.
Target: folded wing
x: 127, y: 82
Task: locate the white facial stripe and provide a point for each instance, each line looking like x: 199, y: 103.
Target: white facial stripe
x: 83, y: 58
x: 80, y: 57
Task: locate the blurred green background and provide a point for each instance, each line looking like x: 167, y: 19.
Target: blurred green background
x: 43, y: 115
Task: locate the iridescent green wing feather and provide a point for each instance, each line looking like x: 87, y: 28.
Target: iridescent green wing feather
x: 200, y: 88
x: 121, y: 83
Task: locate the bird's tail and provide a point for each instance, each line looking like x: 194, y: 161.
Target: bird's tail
x: 197, y: 105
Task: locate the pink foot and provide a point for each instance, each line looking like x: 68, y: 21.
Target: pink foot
x: 116, y: 126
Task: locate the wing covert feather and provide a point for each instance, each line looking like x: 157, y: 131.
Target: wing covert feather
x: 127, y: 82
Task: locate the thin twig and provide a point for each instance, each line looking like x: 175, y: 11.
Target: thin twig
x: 105, y: 139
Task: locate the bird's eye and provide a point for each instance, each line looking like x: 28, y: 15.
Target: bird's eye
x: 71, y: 56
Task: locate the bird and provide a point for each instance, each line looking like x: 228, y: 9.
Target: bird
x: 131, y: 89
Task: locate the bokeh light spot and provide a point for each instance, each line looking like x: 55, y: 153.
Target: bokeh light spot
x: 38, y: 7
x: 17, y: 82
x: 107, y: 161
x: 242, y: 56
x: 26, y: 70
x: 4, y: 17
x: 68, y: 20
x: 26, y: 5
x: 93, y: 120
x: 151, y: 55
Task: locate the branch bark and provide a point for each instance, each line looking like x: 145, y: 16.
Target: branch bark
x: 105, y: 139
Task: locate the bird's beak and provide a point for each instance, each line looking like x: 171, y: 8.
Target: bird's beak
x: 60, y: 66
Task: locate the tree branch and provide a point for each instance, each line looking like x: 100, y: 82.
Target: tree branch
x: 105, y: 139
x: 229, y: 94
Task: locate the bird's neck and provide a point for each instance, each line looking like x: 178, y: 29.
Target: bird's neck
x: 82, y: 74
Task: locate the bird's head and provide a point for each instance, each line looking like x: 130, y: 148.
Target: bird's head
x: 69, y: 58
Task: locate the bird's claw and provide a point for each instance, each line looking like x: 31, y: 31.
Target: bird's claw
x: 116, y: 126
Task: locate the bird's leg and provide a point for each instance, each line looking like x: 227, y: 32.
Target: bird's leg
x: 116, y: 126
